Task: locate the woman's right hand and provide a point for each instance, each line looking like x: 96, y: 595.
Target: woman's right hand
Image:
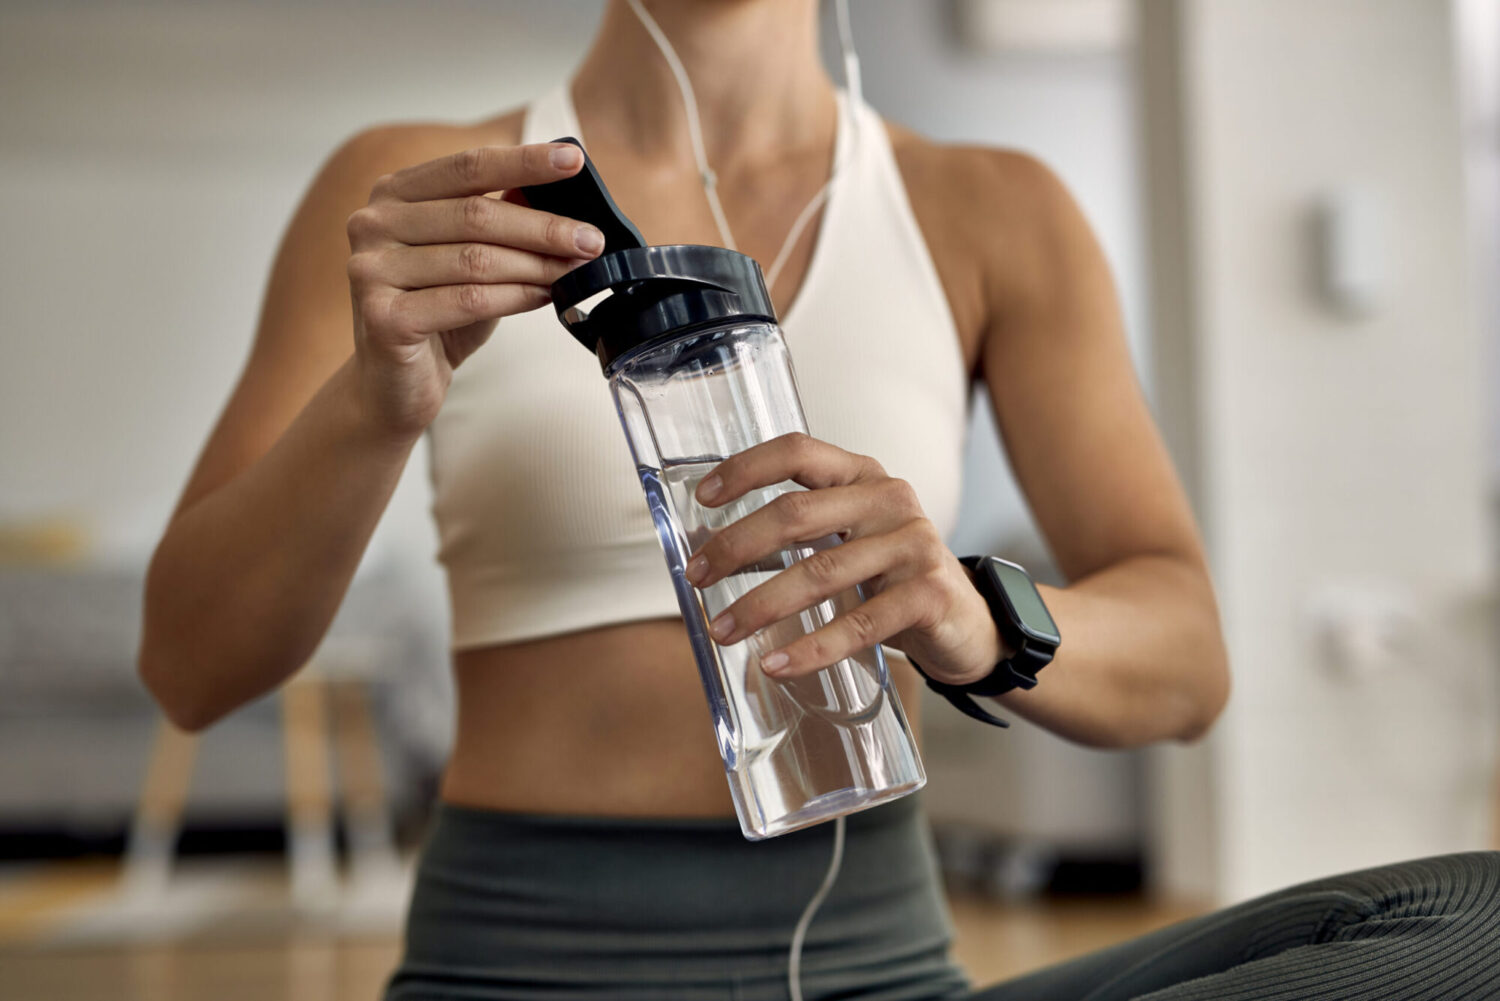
x: 435, y: 262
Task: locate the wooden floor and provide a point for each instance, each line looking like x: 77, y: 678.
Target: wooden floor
x: 994, y: 942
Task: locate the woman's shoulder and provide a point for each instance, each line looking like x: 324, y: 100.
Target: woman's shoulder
x: 988, y: 216
x: 978, y: 188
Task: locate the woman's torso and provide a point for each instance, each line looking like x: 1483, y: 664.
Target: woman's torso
x: 609, y: 719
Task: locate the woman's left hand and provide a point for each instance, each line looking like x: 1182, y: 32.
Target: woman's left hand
x: 919, y: 598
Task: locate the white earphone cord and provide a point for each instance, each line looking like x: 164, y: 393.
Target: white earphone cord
x: 852, y: 84
x: 695, y: 132
x: 794, y: 963
x: 710, y: 190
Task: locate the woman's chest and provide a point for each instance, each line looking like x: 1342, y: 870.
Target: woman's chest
x: 528, y: 457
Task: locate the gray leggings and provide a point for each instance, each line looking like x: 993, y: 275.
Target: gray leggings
x: 527, y: 906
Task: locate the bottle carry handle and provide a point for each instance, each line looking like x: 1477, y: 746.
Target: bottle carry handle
x: 585, y: 198
x: 637, y: 292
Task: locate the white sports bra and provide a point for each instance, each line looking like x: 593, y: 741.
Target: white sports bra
x: 542, y: 524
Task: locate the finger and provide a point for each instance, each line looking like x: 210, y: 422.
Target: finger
x: 883, y: 616
x: 481, y: 170
x: 422, y: 266
x: 446, y: 307
x: 798, y: 457
x: 815, y: 578
x: 802, y: 516
x: 479, y: 219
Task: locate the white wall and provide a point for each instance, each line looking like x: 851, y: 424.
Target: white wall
x: 1330, y: 457
x: 1477, y: 30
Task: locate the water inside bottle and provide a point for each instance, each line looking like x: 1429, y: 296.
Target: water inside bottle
x: 800, y: 749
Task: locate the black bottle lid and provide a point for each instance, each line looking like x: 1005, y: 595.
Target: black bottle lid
x: 653, y: 292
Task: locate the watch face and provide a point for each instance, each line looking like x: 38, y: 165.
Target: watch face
x: 1015, y: 585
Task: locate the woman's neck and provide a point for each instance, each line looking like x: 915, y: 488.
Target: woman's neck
x: 754, y: 66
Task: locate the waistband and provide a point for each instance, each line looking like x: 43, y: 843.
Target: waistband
x: 538, y: 903
x: 490, y: 821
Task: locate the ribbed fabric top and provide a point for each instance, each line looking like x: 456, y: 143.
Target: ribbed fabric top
x: 542, y: 523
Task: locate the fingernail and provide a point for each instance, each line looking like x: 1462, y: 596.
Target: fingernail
x: 565, y: 157
x: 773, y: 662
x: 588, y: 239
x: 710, y: 487
x: 722, y: 626
x: 696, y: 568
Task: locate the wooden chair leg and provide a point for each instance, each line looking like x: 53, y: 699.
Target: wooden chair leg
x: 308, y: 793
x: 361, y: 782
x: 152, y: 841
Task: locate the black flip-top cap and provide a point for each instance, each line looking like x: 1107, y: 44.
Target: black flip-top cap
x: 654, y: 292
x: 658, y: 292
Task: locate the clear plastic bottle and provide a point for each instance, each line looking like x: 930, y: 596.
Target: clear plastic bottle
x: 688, y: 340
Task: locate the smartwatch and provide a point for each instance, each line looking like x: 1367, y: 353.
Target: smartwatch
x: 1024, y: 624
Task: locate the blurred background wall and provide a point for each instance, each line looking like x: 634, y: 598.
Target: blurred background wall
x: 151, y: 153
x: 1321, y: 372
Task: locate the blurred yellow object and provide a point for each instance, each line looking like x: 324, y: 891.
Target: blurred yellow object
x: 43, y: 542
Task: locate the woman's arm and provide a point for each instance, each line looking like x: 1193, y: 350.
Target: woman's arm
x: 248, y: 576
x: 1142, y: 658
x: 302, y: 463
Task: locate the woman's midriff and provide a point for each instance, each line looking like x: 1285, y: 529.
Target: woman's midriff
x: 610, y: 721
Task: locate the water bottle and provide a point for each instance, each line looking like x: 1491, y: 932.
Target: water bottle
x: 688, y: 340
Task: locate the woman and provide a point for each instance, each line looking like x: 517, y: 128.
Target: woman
x: 585, y: 845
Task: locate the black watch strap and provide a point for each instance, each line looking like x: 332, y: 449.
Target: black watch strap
x: 959, y: 697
